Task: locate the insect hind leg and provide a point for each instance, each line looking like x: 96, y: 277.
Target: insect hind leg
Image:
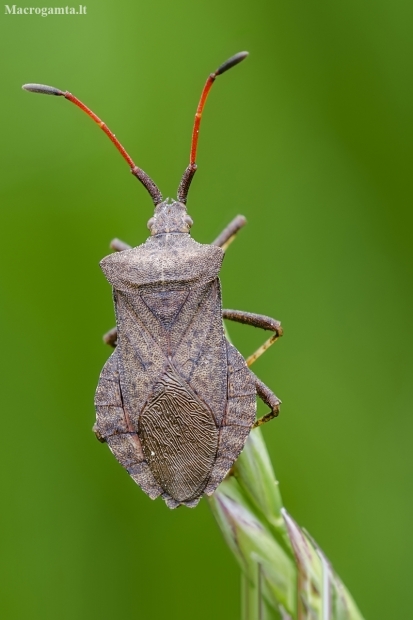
x: 268, y: 323
x: 269, y: 398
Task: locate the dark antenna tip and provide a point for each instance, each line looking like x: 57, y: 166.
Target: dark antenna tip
x: 43, y: 90
x: 231, y: 62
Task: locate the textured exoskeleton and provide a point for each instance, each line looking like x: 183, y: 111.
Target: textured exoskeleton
x: 175, y: 401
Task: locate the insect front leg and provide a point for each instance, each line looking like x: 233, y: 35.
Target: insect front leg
x: 264, y: 322
x: 111, y: 337
x: 229, y: 233
x: 118, y: 246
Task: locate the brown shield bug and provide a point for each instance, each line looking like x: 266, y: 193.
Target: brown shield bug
x: 175, y: 401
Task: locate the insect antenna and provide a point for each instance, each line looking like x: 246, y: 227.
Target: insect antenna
x: 137, y: 172
x: 191, y: 169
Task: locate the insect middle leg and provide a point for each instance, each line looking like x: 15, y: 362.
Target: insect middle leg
x: 111, y: 336
x: 256, y: 320
x: 264, y: 322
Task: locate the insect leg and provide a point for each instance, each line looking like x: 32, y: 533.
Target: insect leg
x: 114, y: 427
x: 264, y: 322
x: 111, y: 336
x: 118, y: 246
x: 256, y: 320
x: 269, y: 398
x: 228, y: 234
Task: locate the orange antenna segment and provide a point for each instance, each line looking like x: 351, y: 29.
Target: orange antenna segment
x: 136, y: 171
x: 231, y: 62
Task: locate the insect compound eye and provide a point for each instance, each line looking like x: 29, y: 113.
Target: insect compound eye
x: 151, y: 222
x: 188, y: 221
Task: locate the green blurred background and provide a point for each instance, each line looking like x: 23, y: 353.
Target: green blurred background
x: 311, y: 139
